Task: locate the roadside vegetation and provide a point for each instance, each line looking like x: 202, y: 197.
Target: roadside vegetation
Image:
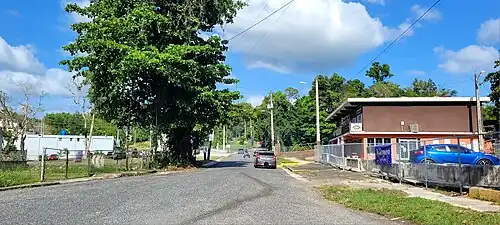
x: 56, y: 170
x: 397, y: 205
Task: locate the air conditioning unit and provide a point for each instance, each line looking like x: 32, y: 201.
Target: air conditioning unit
x: 414, y: 128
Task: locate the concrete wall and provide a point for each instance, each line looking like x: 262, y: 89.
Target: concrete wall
x: 451, y: 175
x: 446, y: 174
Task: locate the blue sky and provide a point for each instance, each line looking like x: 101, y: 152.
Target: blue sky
x: 310, y: 37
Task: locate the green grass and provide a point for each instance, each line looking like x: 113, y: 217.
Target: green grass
x: 56, y: 170
x: 397, y: 204
x: 283, y: 160
x: 145, y: 145
x: 200, y: 157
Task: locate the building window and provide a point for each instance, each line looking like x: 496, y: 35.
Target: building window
x: 372, y: 142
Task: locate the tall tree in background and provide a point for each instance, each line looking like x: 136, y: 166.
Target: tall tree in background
x: 19, y: 122
x: 146, y: 59
x: 427, y: 88
x: 379, y: 73
x: 494, y: 79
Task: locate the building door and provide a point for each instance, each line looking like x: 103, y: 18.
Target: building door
x: 407, y: 145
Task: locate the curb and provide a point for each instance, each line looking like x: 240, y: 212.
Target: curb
x: 298, y: 177
x: 78, y: 180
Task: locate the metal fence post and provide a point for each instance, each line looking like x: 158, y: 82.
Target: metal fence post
x: 425, y: 163
x: 42, y: 166
x: 66, y: 151
x: 400, y: 170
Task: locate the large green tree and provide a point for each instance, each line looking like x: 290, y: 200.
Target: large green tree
x: 494, y: 79
x: 147, y: 64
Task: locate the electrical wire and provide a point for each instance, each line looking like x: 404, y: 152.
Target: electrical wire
x: 257, y: 17
x: 399, y: 37
x: 269, y: 29
x: 262, y: 20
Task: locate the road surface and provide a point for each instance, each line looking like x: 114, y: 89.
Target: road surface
x: 233, y: 192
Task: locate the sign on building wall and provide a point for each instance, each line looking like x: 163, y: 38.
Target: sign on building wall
x: 383, y: 155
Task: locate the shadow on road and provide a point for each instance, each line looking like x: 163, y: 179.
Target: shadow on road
x: 224, y: 164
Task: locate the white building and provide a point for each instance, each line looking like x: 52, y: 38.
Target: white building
x: 34, y: 144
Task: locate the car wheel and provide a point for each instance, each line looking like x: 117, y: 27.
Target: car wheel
x: 428, y: 161
x: 484, y: 162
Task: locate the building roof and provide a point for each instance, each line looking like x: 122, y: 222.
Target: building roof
x: 353, y: 102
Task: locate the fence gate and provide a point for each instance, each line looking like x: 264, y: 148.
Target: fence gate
x: 405, y: 146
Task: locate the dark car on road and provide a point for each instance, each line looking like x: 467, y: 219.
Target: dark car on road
x: 265, y: 159
x: 241, y: 151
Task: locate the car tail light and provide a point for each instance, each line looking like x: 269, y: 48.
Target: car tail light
x: 258, y: 156
x: 419, y: 152
x: 274, y: 157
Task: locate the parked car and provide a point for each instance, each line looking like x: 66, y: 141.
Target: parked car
x: 53, y: 157
x: 135, y: 154
x: 116, y: 155
x: 448, y: 153
x: 265, y: 159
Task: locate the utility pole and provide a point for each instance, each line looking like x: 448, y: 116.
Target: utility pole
x: 318, y: 135
x: 224, y: 138
x: 478, y: 112
x: 251, y: 134
x: 271, y: 106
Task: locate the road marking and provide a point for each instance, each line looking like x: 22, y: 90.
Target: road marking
x: 296, y: 176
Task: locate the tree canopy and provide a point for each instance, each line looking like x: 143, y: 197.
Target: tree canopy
x: 294, y: 115
x: 147, y: 65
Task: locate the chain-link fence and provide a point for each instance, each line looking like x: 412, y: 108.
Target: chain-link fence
x: 299, y: 147
x: 60, y: 164
x: 457, y: 161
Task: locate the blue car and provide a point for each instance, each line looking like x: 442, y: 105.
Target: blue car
x: 448, y: 153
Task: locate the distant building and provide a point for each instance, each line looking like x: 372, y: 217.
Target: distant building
x: 405, y: 122
x: 34, y: 144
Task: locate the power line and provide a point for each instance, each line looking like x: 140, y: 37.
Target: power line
x: 399, y: 37
x: 257, y: 17
x: 269, y: 29
x: 262, y: 20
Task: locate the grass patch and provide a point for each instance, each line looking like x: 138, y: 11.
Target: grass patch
x: 145, y: 145
x: 56, y: 170
x: 397, y: 204
x: 200, y: 157
x: 285, y: 161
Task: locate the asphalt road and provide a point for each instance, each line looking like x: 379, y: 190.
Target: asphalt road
x: 233, y: 192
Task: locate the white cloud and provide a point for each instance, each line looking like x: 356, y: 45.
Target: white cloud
x: 18, y: 58
x: 75, y: 18
x: 432, y: 15
x: 19, y: 66
x: 54, y: 81
x: 467, y: 60
x: 311, y: 35
x: 489, y: 32
x: 417, y: 72
x: 379, y: 2
x: 255, y: 100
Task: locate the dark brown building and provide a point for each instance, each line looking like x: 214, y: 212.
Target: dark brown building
x: 405, y: 122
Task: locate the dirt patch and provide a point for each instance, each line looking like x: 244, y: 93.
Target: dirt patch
x: 320, y: 174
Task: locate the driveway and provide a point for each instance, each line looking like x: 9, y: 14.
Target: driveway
x: 233, y: 192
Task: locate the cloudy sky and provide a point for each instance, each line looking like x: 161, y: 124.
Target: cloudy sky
x: 306, y: 38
